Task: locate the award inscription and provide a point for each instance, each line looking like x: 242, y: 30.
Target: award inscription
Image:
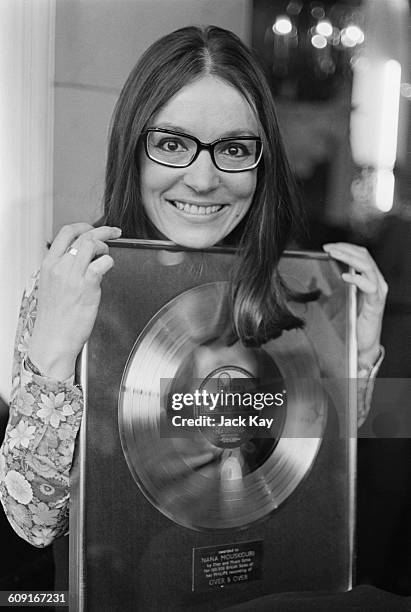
x: 216, y: 567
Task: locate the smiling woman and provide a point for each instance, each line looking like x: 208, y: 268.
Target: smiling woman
x: 195, y: 156
x: 206, y: 85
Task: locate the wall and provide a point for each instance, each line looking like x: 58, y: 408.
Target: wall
x: 26, y: 156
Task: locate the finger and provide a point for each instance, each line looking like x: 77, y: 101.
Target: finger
x: 69, y: 235
x: 355, y: 250
x: 364, y: 263
x: 66, y: 236
x: 363, y: 255
x: 105, y: 232
x: 97, y: 234
x: 363, y: 283
x: 99, y: 267
x: 87, y: 250
x: 358, y: 261
x: 346, y: 246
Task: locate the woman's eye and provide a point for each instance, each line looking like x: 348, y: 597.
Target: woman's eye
x: 171, y: 145
x: 234, y: 149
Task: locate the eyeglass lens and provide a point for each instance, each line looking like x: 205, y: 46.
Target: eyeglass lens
x: 177, y: 150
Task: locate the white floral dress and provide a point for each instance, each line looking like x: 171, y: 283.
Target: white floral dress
x: 38, y: 447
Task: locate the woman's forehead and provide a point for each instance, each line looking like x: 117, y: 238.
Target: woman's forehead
x: 208, y: 108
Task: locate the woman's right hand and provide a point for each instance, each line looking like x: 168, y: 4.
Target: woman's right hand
x: 69, y: 296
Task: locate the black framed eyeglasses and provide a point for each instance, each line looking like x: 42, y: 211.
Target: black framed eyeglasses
x: 178, y: 150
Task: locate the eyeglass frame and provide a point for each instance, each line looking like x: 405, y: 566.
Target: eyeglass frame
x: 200, y: 147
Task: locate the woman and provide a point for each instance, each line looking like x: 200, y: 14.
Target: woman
x: 195, y: 156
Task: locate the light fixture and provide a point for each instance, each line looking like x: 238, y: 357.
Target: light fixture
x: 282, y: 25
x: 324, y: 28
x: 390, y: 101
x: 318, y: 41
x: 318, y: 12
x: 384, y: 189
x: 351, y: 36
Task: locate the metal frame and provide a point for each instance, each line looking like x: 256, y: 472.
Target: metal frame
x: 77, y: 598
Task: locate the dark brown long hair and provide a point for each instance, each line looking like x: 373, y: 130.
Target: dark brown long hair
x: 259, y: 296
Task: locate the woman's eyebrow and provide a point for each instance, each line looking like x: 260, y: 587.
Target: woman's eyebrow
x: 240, y: 131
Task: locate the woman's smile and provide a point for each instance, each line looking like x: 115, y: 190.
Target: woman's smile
x: 196, y: 209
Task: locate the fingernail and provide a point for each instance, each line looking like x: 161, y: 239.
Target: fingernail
x: 118, y: 231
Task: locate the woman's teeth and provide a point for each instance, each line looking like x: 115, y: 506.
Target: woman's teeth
x: 196, y: 210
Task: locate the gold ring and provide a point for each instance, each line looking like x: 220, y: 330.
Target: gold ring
x: 72, y: 251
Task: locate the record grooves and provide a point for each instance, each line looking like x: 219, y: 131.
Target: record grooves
x: 207, y: 480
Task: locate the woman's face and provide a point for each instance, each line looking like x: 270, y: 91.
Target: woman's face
x: 199, y: 205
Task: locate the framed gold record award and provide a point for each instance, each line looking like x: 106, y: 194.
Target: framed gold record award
x: 209, y: 472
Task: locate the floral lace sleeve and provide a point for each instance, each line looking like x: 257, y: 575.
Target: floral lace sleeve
x: 38, y: 447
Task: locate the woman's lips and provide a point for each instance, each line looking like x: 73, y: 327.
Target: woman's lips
x: 196, y: 209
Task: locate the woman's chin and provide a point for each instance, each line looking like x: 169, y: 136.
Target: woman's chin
x: 195, y: 244
x: 196, y: 239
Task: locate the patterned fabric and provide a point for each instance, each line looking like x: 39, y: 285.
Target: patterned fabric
x: 37, y: 452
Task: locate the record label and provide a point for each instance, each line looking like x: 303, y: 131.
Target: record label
x: 218, y: 567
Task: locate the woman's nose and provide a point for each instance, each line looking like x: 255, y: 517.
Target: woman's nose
x: 202, y: 175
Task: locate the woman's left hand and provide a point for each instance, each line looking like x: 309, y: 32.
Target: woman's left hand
x: 373, y: 292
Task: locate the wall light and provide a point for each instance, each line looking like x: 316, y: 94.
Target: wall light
x: 324, y: 28
x: 282, y: 26
x: 318, y: 41
x: 390, y: 102
x: 384, y: 189
x: 351, y: 36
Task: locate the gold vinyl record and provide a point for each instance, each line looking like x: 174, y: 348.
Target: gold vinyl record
x: 209, y: 477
